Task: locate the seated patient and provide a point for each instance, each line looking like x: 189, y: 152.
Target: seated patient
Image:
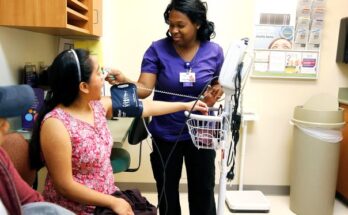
x: 16, y: 196
x: 72, y: 139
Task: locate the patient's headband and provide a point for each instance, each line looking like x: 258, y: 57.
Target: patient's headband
x: 77, y: 62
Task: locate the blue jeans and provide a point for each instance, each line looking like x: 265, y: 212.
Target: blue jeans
x: 44, y: 208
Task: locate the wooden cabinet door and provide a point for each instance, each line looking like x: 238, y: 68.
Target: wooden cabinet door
x: 342, y: 179
x: 33, y: 13
x: 97, y: 28
x: 58, y: 17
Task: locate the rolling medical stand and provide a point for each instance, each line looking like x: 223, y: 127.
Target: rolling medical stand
x: 246, y: 200
x: 213, y: 132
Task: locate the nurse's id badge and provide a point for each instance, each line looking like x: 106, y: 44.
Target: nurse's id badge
x: 187, y: 77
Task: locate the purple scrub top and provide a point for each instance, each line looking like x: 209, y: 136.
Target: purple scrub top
x: 162, y: 59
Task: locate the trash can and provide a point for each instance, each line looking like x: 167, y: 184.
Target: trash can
x: 315, y: 155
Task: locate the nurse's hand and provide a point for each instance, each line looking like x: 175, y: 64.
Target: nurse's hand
x: 114, y: 76
x: 213, y: 94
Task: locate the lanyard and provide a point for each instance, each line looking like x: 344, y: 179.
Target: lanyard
x: 188, y: 67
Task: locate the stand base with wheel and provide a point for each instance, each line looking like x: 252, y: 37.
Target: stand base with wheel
x: 247, y: 201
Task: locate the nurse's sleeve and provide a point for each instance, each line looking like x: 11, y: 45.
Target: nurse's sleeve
x: 150, y: 62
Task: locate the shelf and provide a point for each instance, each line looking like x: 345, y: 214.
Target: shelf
x: 288, y: 50
x: 77, y: 6
x: 69, y: 31
x: 75, y: 28
x: 73, y: 15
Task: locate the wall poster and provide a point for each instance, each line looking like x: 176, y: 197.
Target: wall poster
x: 286, y: 45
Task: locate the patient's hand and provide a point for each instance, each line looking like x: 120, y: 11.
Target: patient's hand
x: 199, y: 106
x: 122, y: 207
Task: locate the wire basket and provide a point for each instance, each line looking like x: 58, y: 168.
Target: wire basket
x: 206, y: 131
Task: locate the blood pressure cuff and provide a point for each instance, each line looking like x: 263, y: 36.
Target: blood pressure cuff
x: 125, y: 101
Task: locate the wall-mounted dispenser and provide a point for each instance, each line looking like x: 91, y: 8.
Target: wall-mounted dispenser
x: 342, y: 45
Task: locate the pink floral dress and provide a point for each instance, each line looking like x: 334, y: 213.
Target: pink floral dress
x: 91, y: 149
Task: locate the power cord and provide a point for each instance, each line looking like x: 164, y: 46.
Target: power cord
x: 235, y: 124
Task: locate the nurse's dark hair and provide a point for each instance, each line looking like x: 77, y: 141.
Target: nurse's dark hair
x: 196, y: 11
x: 63, y: 80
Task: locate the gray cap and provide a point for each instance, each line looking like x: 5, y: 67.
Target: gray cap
x: 15, y: 100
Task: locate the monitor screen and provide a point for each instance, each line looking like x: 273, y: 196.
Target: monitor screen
x: 234, y: 61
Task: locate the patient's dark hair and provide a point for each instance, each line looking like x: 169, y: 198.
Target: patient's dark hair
x: 196, y: 11
x: 64, y: 80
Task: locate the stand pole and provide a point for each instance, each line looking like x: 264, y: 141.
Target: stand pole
x: 222, y: 184
x: 223, y: 172
x: 243, y: 146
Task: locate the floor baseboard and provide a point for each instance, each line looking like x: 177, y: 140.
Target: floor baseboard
x: 342, y: 198
x: 280, y: 190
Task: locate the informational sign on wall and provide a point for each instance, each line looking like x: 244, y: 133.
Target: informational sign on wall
x: 287, y: 44
x: 286, y: 64
x: 271, y: 36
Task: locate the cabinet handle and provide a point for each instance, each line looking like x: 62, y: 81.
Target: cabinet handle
x: 96, y: 15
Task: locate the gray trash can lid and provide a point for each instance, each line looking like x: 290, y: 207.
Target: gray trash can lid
x: 319, y: 111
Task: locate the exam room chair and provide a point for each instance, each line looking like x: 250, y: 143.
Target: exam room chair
x: 120, y: 157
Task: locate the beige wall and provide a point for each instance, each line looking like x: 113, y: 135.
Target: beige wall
x: 18, y: 47
x: 130, y: 27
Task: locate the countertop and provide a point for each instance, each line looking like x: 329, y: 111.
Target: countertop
x: 118, y: 128
x: 343, y: 95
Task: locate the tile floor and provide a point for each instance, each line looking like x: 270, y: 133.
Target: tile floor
x: 279, y: 205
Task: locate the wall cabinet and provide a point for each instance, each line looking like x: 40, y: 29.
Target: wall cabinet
x: 342, y: 179
x: 57, y: 17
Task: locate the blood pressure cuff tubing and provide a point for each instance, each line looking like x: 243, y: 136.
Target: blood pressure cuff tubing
x: 125, y: 101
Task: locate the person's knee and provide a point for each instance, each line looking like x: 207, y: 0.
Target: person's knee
x: 42, y: 208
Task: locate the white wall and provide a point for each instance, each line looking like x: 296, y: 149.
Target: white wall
x: 130, y: 27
